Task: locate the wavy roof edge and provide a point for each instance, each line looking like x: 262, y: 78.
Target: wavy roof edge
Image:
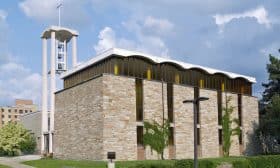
x: 158, y: 60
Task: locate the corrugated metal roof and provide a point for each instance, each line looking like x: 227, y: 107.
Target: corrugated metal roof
x: 158, y: 60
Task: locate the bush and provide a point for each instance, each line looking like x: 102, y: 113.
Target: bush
x: 14, y: 139
x: 189, y: 164
x: 151, y: 165
x: 264, y: 161
x: 240, y: 164
x: 28, y: 146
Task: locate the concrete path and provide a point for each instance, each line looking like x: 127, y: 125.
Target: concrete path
x: 15, y: 162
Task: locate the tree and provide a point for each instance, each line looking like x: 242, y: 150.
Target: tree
x: 273, y: 86
x: 14, y: 138
x: 156, y: 136
x: 227, y: 130
x: 269, y: 128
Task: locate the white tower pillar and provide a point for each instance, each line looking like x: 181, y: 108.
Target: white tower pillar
x: 53, y: 89
x: 44, y: 93
x: 74, y: 51
x: 58, y: 65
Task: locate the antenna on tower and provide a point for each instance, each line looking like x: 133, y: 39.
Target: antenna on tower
x: 59, y: 7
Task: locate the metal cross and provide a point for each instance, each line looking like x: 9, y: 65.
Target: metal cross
x: 59, y: 7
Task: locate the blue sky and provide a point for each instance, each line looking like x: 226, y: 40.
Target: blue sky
x: 234, y: 35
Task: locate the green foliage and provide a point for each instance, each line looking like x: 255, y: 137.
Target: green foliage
x: 273, y: 86
x: 14, y: 139
x: 156, y: 136
x: 151, y: 165
x: 29, y: 145
x: 188, y: 163
x: 271, y: 161
x: 270, y: 124
x: 227, y: 130
x: 240, y: 164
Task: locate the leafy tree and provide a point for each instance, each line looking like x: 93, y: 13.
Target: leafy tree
x: 269, y: 128
x: 227, y: 129
x: 13, y: 139
x: 156, y: 136
x: 273, y: 86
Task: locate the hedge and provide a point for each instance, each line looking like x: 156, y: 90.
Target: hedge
x: 271, y: 161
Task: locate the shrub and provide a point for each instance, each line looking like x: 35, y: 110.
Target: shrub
x: 240, y: 164
x: 264, y: 161
x: 183, y: 163
x: 188, y: 163
x: 151, y: 165
x: 14, y: 138
x: 28, y: 146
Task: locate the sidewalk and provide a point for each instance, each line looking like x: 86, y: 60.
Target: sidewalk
x: 15, y: 162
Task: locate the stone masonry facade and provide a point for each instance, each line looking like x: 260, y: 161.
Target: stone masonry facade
x: 99, y: 116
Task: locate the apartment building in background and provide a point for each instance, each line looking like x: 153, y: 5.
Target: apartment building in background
x: 12, y: 113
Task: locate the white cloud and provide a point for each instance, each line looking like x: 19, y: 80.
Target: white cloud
x: 17, y: 81
x: 148, y: 34
x: 3, y: 15
x: 39, y: 9
x: 260, y: 14
x: 72, y: 11
x: 107, y: 39
x: 160, y: 26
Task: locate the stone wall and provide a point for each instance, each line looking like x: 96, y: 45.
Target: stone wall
x: 119, y: 115
x: 183, y: 122
x: 99, y: 116
x: 153, y: 109
x: 234, y: 150
x: 250, y: 121
x: 209, y: 124
x: 79, y: 122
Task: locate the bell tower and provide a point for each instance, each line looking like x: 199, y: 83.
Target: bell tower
x: 59, y: 38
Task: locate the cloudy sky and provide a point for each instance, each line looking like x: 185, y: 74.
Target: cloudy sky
x: 231, y: 35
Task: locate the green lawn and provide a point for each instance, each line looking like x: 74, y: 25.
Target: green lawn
x: 256, y: 161
x: 53, y: 163
x: 2, y: 166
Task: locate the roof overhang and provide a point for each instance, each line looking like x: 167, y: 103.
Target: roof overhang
x: 61, y: 33
x: 158, y: 60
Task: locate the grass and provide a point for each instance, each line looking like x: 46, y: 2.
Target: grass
x: 54, y: 163
x: 2, y: 166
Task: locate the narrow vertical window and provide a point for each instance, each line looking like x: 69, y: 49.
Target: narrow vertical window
x: 170, y: 101
x: 220, y: 110
x: 116, y: 69
x: 140, y: 132
x: 139, y: 99
x: 242, y: 90
x: 223, y: 87
x: 201, y: 83
x: 149, y: 74
x: 240, y: 138
x: 171, y: 136
x: 220, y: 137
x: 177, y: 78
x: 240, y: 109
x: 196, y: 95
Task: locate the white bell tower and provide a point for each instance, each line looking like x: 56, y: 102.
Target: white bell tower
x: 59, y: 39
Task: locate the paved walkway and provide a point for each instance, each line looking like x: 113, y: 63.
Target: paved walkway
x: 15, y: 162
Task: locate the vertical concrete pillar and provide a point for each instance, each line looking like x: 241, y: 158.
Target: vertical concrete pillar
x: 74, y: 51
x: 53, y: 88
x: 44, y: 123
